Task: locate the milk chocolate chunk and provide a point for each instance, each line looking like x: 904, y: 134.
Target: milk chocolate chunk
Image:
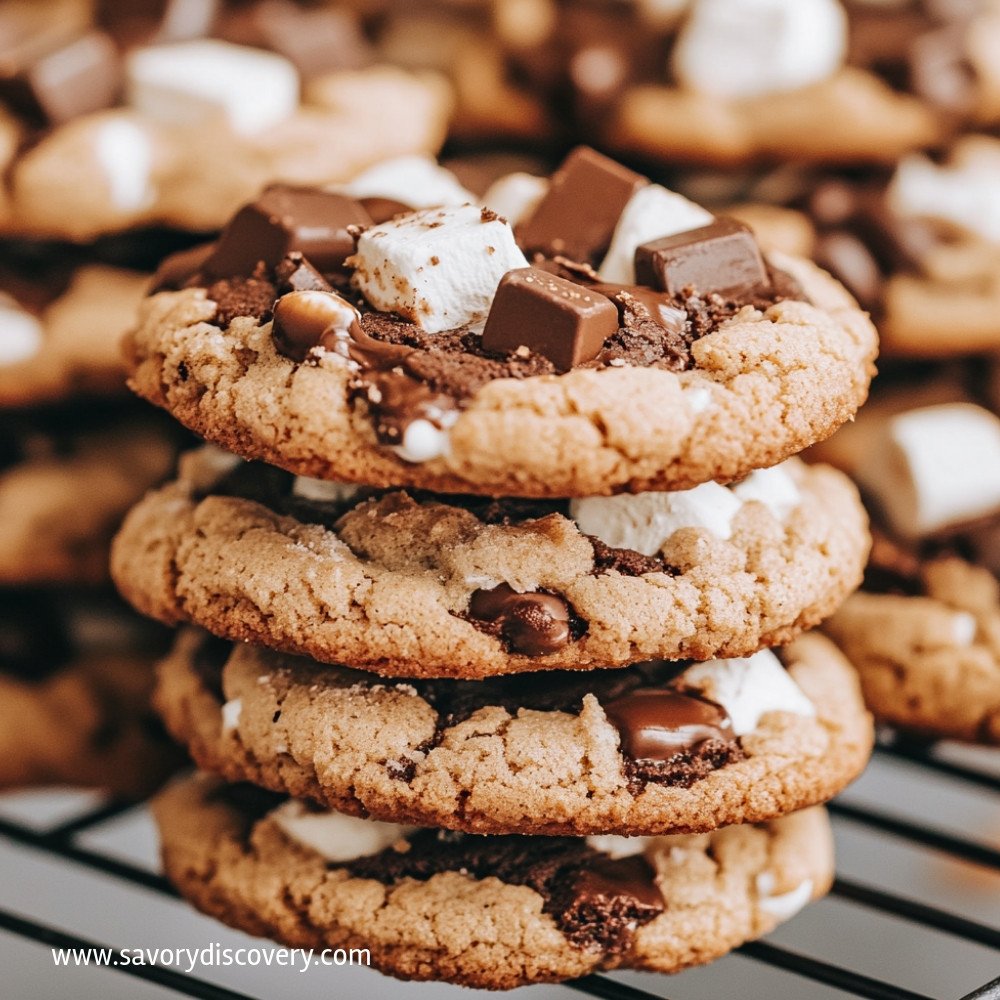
x: 283, y: 219
x: 561, y: 320
x: 384, y: 209
x: 534, y: 624
x: 303, y: 319
x: 181, y: 268
x: 659, y: 305
x: 721, y: 258
x: 578, y: 215
x: 658, y: 723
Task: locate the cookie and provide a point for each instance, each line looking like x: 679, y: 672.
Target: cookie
x: 66, y: 481
x: 717, y: 363
x: 412, y: 585
x: 76, y: 677
x: 485, y: 912
x: 657, y: 748
x: 60, y: 337
x: 924, y: 632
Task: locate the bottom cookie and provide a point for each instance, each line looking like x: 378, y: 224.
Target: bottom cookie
x: 489, y: 912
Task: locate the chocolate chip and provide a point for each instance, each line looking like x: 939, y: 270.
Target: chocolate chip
x: 533, y: 624
x: 721, y: 258
x: 559, y: 319
x: 578, y: 215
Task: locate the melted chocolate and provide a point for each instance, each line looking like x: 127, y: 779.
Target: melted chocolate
x: 534, y: 624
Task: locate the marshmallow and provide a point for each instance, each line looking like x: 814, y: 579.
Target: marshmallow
x: 747, y: 48
x: 205, y: 466
x: 620, y: 847
x: 21, y: 334
x: 417, y: 181
x: 336, y: 836
x: 231, y: 712
x: 515, y: 196
x: 785, y: 905
x: 748, y: 688
x: 964, y: 192
x: 650, y: 213
x: 438, y: 268
x: 934, y: 467
x: 423, y: 440
x: 772, y: 487
x: 644, y: 521
x: 124, y: 153
x: 203, y: 81
x: 323, y: 490
x: 963, y: 628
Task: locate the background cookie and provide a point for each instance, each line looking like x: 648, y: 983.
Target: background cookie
x: 523, y: 910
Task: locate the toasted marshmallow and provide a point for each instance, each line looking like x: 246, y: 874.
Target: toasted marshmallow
x: 747, y: 48
x: 772, y: 487
x: 438, y: 268
x: 417, y: 181
x: 336, y: 836
x: 651, y: 212
x: 748, y: 688
x: 934, y: 467
x: 124, y: 152
x: 21, y: 334
x: 619, y: 847
x: 205, y: 81
x: 323, y: 490
x: 785, y: 905
x: 515, y: 196
x: 644, y: 521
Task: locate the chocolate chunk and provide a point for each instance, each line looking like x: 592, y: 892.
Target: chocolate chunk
x: 181, y: 269
x: 78, y: 75
x: 656, y: 723
x: 578, y: 215
x: 234, y: 297
x: 304, y: 319
x: 660, y: 307
x: 628, y: 562
x: 847, y: 258
x: 296, y: 274
x: 722, y: 257
x: 285, y: 218
x: 559, y: 319
x: 384, y: 209
x: 141, y: 22
x: 534, y: 624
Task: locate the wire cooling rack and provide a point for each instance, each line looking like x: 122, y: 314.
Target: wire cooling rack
x: 914, y: 913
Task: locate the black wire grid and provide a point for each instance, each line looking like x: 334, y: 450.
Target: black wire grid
x: 61, y: 842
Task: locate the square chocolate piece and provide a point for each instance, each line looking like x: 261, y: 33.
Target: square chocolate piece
x: 283, y: 219
x: 578, y: 215
x: 559, y: 319
x: 722, y: 257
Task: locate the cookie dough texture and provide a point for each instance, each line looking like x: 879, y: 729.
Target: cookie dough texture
x: 60, y: 510
x: 89, y: 724
x: 931, y: 663
x: 117, y: 170
x: 385, y: 589
x: 80, y: 353
x: 764, y: 386
x: 477, y: 932
x: 342, y: 739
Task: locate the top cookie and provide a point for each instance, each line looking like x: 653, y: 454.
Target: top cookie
x: 619, y: 339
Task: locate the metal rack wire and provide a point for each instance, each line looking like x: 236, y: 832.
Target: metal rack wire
x: 63, y: 842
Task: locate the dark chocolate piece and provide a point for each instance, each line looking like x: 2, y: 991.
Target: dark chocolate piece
x: 284, y: 218
x: 533, y: 624
x: 559, y: 319
x: 660, y: 307
x: 721, y: 258
x: 181, y: 269
x: 578, y: 215
x: 296, y: 274
x: 253, y: 296
x: 384, y: 209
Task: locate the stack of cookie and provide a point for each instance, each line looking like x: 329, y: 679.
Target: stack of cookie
x: 502, y: 515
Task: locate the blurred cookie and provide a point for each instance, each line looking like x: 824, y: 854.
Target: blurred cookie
x: 485, y: 912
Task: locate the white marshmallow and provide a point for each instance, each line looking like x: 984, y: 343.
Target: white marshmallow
x: 651, y: 212
x: 934, y: 467
x: 124, y: 152
x: 336, y: 836
x: 785, y: 905
x: 644, y: 521
x: 772, y: 487
x: 748, y: 688
x: 21, y: 334
x: 698, y: 398
x: 620, y: 847
x: 323, y: 490
x: 196, y: 82
x: 231, y: 712
x: 205, y: 466
x: 423, y: 440
x: 964, y: 628
x: 965, y: 192
x: 438, y: 268
x: 515, y: 196
x: 746, y: 48
x: 417, y: 181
